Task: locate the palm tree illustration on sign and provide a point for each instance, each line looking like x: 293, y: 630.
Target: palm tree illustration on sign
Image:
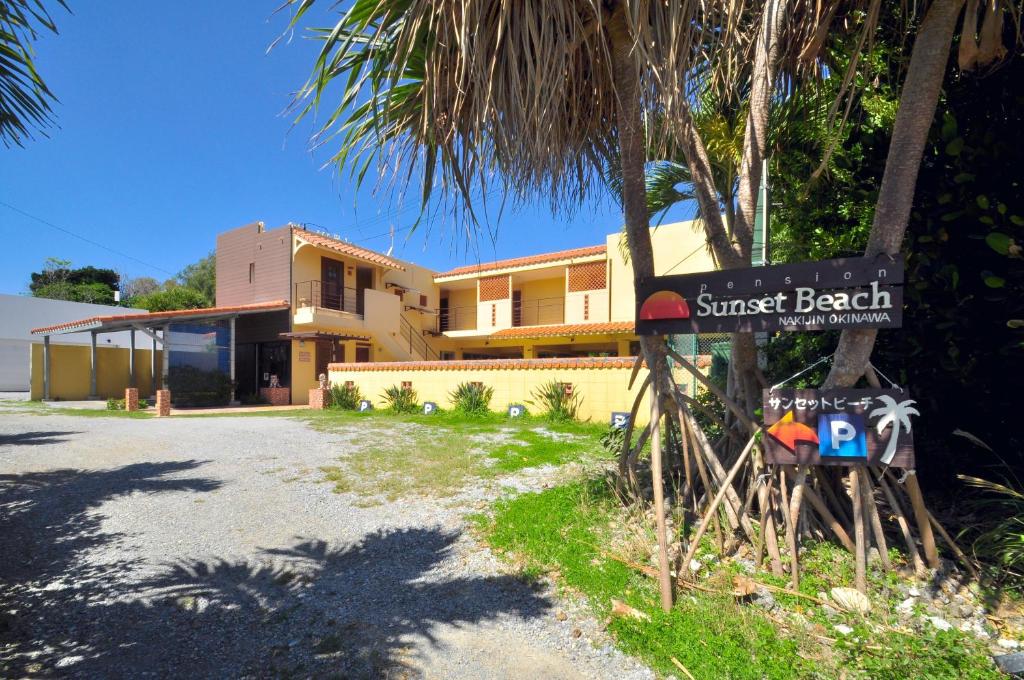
x: 896, y: 414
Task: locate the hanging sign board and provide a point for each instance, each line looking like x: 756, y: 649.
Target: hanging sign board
x: 807, y: 296
x: 838, y: 427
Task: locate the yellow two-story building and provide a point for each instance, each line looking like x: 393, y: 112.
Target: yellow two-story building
x: 291, y: 302
x: 351, y: 304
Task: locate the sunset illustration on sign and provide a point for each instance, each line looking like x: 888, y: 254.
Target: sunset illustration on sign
x: 789, y: 432
x: 664, y: 304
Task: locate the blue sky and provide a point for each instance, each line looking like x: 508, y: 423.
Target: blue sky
x: 170, y: 130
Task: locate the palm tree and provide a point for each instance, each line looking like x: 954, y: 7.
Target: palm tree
x: 894, y: 414
x: 24, y: 98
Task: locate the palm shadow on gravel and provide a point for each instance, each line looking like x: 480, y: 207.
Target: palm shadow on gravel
x: 48, y: 522
x: 311, y: 610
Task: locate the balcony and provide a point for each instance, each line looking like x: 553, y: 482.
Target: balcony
x: 316, y: 295
x: 457, y: 319
x: 538, y: 312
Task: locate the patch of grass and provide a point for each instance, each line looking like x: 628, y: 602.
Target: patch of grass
x: 437, y: 455
x: 561, y: 530
x: 533, y: 448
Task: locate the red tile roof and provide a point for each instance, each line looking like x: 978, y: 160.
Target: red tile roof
x: 100, y: 321
x: 543, y: 258
x: 487, y: 364
x: 347, y: 249
x: 565, y: 329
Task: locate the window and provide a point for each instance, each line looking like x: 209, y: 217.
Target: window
x: 423, y: 300
x: 252, y: 272
x: 447, y: 356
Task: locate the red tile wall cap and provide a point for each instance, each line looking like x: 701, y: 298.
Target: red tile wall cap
x: 488, y: 364
x: 524, y: 261
x: 100, y: 320
x: 566, y: 329
x: 347, y: 249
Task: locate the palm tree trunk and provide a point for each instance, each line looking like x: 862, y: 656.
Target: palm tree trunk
x: 920, y: 95
x: 755, y: 136
x: 632, y: 156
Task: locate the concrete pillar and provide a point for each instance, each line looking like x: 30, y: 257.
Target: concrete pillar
x: 131, y: 359
x: 166, y: 369
x: 92, y: 365
x: 46, y: 367
x: 528, y: 352
x: 152, y: 366
x: 623, y: 348
x: 131, y: 399
x: 231, y: 324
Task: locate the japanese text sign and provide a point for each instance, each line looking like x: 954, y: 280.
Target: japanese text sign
x: 838, y: 427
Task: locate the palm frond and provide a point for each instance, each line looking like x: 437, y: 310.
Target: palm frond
x: 25, y: 100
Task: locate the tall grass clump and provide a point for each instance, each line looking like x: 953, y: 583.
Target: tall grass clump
x: 345, y: 397
x: 400, y: 399
x: 559, y: 406
x: 1000, y: 545
x: 471, y: 398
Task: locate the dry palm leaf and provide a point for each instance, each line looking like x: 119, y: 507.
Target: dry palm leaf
x: 620, y: 608
x: 851, y: 600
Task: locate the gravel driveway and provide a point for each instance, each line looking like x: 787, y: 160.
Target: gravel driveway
x: 207, y: 547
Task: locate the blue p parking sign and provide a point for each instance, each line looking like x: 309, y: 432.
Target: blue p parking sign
x: 841, y: 435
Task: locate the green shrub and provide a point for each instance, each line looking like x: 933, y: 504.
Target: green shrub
x: 613, y: 440
x: 559, y: 406
x: 253, y: 400
x: 118, y: 404
x: 345, y: 397
x: 191, y: 386
x: 471, y: 398
x: 400, y: 399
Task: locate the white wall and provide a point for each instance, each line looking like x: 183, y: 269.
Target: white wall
x: 19, y: 314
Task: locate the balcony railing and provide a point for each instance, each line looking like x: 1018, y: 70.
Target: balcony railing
x: 457, y: 319
x: 538, y: 312
x: 327, y: 296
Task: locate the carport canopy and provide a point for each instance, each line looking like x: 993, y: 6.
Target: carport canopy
x: 153, y: 324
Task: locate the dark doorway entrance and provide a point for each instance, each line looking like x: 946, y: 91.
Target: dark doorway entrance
x: 362, y: 354
x: 364, y: 280
x: 517, y: 308
x: 332, y: 284
x: 328, y: 352
x: 274, y: 358
x: 442, y: 316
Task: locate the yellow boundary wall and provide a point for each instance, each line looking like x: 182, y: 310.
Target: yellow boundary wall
x: 69, y: 371
x: 602, y: 382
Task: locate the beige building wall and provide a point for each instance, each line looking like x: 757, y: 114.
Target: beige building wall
x: 603, y: 390
x: 543, y: 300
x: 70, y: 371
x: 678, y: 249
x: 587, y: 306
x: 253, y: 265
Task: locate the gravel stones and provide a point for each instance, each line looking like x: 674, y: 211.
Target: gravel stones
x: 208, y: 547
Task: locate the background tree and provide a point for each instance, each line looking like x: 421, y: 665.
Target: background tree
x: 201, y: 277
x: 25, y: 100
x: 58, y: 281
x: 172, y: 298
x: 136, y: 287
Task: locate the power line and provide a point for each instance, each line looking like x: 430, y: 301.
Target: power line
x: 82, y: 238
